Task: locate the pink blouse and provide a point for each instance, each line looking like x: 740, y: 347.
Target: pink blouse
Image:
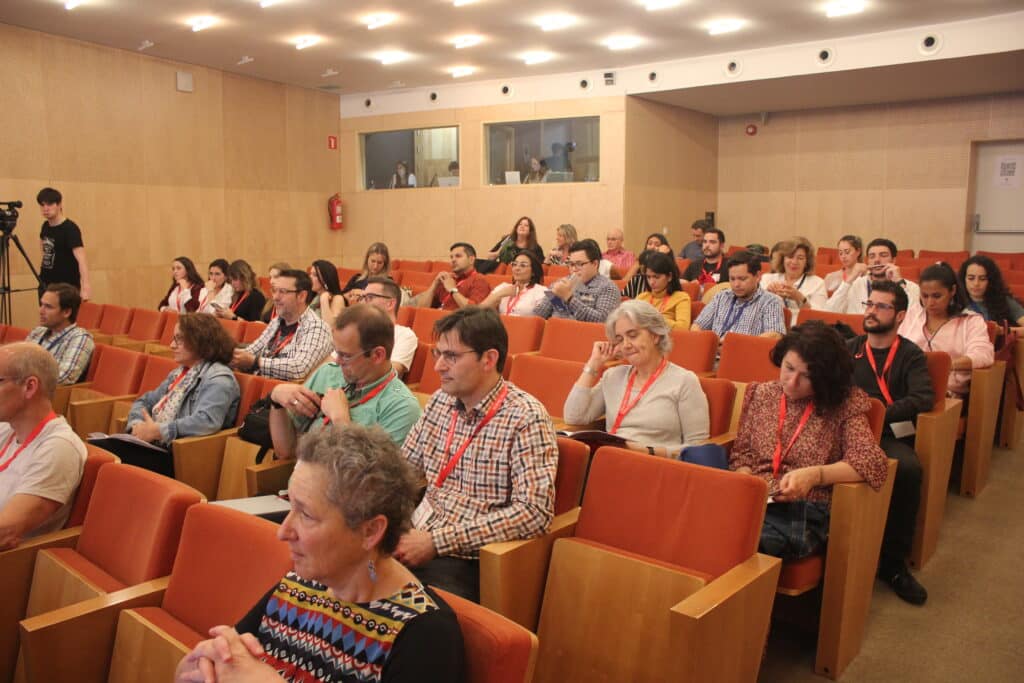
x: 962, y: 335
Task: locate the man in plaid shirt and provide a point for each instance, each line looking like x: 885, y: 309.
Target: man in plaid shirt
x: 585, y: 294
x: 745, y: 308
x: 488, y: 452
x: 57, y: 332
x: 296, y: 341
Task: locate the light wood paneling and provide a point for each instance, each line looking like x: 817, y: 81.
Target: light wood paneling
x: 26, y: 139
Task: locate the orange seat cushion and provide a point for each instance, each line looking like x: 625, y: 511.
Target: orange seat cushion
x: 800, y: 576
x: 87, y: 569
x: 174, y: 628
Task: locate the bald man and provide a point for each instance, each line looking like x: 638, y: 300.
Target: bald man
x: 41, y: 458
x: 621, y: 259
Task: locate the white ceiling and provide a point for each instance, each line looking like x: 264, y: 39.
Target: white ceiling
x: 424, y: 27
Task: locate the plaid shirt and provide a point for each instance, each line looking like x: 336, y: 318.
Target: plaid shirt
x: 591, y: 302
x: 310, y: 346
x: 72, y: 347
x: 759, y: 314
x: 503, y: 487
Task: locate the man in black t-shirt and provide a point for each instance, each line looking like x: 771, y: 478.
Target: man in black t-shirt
x: 62, y: 247
x: 710, y: 270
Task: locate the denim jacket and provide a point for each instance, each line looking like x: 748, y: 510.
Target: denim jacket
x: 211, y: 406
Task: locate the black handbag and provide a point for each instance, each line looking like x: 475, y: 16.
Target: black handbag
x: 256, y: 427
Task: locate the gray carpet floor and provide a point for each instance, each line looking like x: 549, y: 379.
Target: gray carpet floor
x: 972, y: 627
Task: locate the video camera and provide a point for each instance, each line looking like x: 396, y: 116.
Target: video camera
x: 9, y: 216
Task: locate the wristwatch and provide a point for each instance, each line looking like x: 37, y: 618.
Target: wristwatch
x: 453, y: 290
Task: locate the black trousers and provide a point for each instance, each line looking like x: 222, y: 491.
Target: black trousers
x: 131, y: 454
x: 906, y: 496
x: 452, y: 574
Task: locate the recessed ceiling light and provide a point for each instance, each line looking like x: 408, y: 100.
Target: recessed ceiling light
x: 268, y: 3
x: 555, y: 22
x: 72, y: 4
x: 145, y: 45
x: 655, y: 5
x: 536, y: 57
x: 391, y: 56
x: 460, y: 71
x: 841, y: 8
x: 466, y: 41
x: 460, y: 3
x: 379, y: 19
x: 245, y: 60
x: 621, y: 42
x: 302, y: 42
x: 720, y: 26
x: 201, y: 23
x: 330, y: 72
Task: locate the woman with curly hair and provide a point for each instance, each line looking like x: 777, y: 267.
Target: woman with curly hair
x: 987, y: 293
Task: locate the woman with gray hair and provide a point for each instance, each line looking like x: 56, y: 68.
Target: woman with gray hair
x: 655, y: 405
x: 348, y: 611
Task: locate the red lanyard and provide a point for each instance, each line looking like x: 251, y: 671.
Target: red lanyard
x: 513, y: 301
x: 454, y: 459
x: 177, y: 380
x: 626, y: 405
x: 242, y: 298
x: 35, y: 432
x: 880, y: 378
x: 368, y: 395
x: 779, y: 454
x: 281, y: 344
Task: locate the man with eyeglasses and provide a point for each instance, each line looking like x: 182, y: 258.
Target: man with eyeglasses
x: 295, y: 341
x: 488, y: 452
x: 585, y: 294
x: 384, y: 294
x: 880, y: 267
x: 358, y: 386
x: 894, y: 370
x: 463, y: 286
x: 41, y: 458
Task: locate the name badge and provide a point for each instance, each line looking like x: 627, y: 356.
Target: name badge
x: 422, y: 513
x: 902, y: 429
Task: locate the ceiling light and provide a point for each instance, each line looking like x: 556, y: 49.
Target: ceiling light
x: 391, y: 56
x: 466, y: 41
x: 145, y: 45
x: 72, y: 4
x: 268, y: 3
x: 655, y: 5
x: 460, y: 3
x: 330, y: 72
x: 621, y: 42
x: 200, y: 23
x: 841, y: 8
x: 725, y: 26
x: 302, y: 42
x: 536, y: 57
x: 373, y: 21
x: 555, y: 22
x: 460, y: 71
x: 245, y: 60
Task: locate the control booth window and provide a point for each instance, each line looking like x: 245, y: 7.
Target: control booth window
x: 419, y: 157
x: 545, y: 151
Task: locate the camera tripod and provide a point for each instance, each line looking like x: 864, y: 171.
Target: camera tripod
x: 5, y: 275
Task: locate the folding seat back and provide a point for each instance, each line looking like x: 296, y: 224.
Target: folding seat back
x: 827, y: 255
x: 250, y: 388
x: 495, y: 279
x: 856, y: 322
x: 570, y: 339
x: 692, y: 288
x: 116, y: 319
x: 252, y: 330
x: 417, y: 280
x: 721, y: 395
x: 423, y: 323
x: 710, y: 292
x: 429, y: 380
x: 119, y: 371
x: 146, y: 324
x: 953, y: 258
x: 746, y: 359
x: 573, y: 461
x: 89, y: 315
x: 156, y: 371
x: 15, y: 334
x: 439, y: 266
x: 557, y: 271
x: 170, y: 322
x: 682, y: 264
x: 264, y: 284
x: 548, y: 380
x: 696, y: 306
x: 524, y: 334
x: 94, y: 362
x: 410, y: 264
x: 345, y: 274
x: 96, y: 458
x: 405, y: 316
x: 234, y: 328
x: 396, y: 276
x: 694, y: 350
x: 912, y: 273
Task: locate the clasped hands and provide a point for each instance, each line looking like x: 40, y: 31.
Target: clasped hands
x: 227, y: 656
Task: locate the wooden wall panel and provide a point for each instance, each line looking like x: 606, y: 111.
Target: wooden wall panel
x: 26, y: 140
x: 253, y: 130
x: 311, y: 117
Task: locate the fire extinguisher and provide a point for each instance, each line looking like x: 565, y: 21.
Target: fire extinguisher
x: 334, y: 212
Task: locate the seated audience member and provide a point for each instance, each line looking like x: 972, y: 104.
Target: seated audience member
x: 247, y: 300
x: 351, y: 495
x: 710, y: 270
x: 657, y: 406
x: 585, y: 294
x: 621, y: 259
x: 760, y: 251
x: 538, y: 172
x: 658, y: 242
x: 987, y: 293
x: 850, y: 248
x: 269, y: 309
x: 744, y: 307
x: 357, y: 386
x: 523, y: 237
x: 184, y: 294
x: 57, y: 333
x: 664, y: 291
x: 521, y: 296
x: 295, y: 341
x: 895, y: 371
x: 376, y: 263
x: 695, y: 250
x: 383, y: 293
x: 197, y: 398
x: 825, y: 438
x: 402, y: 177
x: 852, y: 294
x: 461, y: 287
x: 42, y: 459
x: 943, y: 323
x: 792, y: 278
x: 217, y: 292
x: 488, y: 452
x: 327, y: 299
x: 637, y: 284
x: 565, y: 237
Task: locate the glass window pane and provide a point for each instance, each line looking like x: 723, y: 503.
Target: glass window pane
x: 545, y: 151
x: 420, y: 157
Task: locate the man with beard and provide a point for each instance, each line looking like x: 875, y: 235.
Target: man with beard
x: 359, y: 385
x: 710, y: 270
x: 894, y: 370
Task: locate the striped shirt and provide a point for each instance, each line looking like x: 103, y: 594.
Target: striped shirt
x: 72, y: 347
x: 726, y: 313
x: 503, y: 487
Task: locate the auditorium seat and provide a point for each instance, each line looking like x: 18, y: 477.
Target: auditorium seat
x: 417, y: 281
x: 89, y: 315
x: 549, y: 380
x: 494, y: 279
x: 721, y: 396
x: 118, y: 374
x: 15, y: 334
x: 569, y: 339
x: 694, y: 350
x: 238, y: 454
x: 438, y: 266
x: 252, y: 331
x: 692, y: 289
x: 155, y: 371
x: 827, y: 255
x: 856, y: 322
x: 163, y: 346
x: 128, y: 540
x: 1013, y: 419
x: 116, y: 320
x: 746, y: 358
x: 524, y: 334
x: 147, y: 328
x: 556, y: 272
x: 406, y: 265
x: 710, y: 292
x: 953, y: 258
x: 405, y: 316
x: 234, y: 328
x: 978, y: 428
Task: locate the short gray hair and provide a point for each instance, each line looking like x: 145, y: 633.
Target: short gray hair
x: 366, y: 476
x: 31, y: 360
x: 644, y: 316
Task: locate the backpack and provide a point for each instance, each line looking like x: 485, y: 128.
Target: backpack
x: 256, y: 427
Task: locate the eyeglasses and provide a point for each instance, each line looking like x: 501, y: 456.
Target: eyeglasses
x: 279, y: 290
x: 370, y: 296
x: 868, y: 305
x: 177, y: 340
x: 346, y: 358
x: 449, y: 357
x: 577, y: 264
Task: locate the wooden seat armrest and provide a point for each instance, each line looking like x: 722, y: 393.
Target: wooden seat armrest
x: 134, y: 344
x: 99, y: 399
x: 719, y: 632
x: 198, y: 459
x: 102, y: 337
x: 566, y: 427
x: 82, y: 634
x: 934, y: 444
x: 268, y: 477
x: 724, y: 440
x: 119, y: 416
x: 513, y: 573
